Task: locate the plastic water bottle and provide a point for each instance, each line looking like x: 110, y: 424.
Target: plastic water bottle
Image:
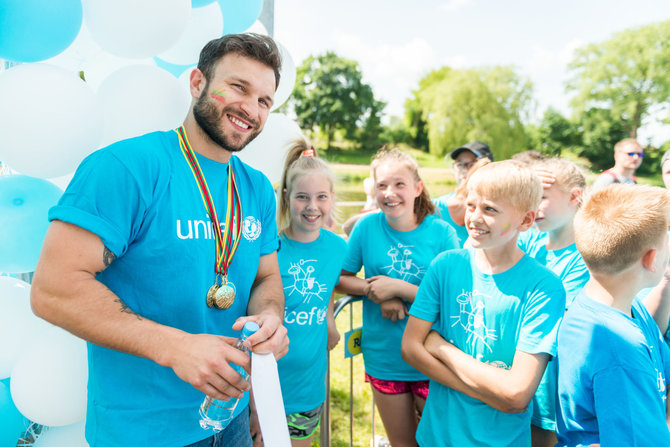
x: 215, y: 413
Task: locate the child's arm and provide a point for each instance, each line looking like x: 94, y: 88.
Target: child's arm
x: 414, y: 352
x: 333, y: 333
x: 511, y: 390
x: 658, y: 302
x: 383, y: 288
x: 352, y: 285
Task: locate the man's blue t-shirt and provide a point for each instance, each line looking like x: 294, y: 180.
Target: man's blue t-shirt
x: 309, y: 273
x: 489, y: 317
x: 568, y: 265
x: 381, y: 250
x: 613, y: 370
x: 140, y: 197
x: 443, y: 208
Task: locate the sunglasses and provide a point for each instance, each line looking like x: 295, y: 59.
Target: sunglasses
x: 633, y: 154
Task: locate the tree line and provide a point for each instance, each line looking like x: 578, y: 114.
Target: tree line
x: 615, y: 86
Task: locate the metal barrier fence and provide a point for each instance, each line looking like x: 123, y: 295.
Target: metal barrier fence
x: 326, y: 416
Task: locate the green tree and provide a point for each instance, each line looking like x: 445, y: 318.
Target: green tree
x: 331, y: 96
x: 600, y: 132
x: 627, y: 74
x: 477, y: 104
x: 556, y: 133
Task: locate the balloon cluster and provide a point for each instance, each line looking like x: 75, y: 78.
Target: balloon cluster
x: 79, y: 75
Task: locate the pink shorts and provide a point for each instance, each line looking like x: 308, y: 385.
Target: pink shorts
x: 416, y: 387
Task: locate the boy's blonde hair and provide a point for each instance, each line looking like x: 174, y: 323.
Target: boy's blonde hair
x: 568, y: 175
x: 619, y: 223
x: 423, y: 206
x: 509, y: 180
x: 301, y: 159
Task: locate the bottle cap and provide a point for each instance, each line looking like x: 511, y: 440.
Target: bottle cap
x: 250, y: 328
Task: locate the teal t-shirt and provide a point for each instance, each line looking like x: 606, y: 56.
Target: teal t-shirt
x: 443, y: 213
x: 140, y: 197
x: 489, y: 317
x: 381, y: 250
x: 309, y: 273
x: 568, y: 265
x: 613, y: 373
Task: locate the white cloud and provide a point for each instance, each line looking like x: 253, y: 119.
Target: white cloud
x: 393, y: 70
x: 453, y: 5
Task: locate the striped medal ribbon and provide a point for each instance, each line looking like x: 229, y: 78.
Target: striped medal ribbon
x: 222, y: 294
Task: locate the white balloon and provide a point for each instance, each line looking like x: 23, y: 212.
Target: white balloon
x: 62, y: 181
x: 19, y: 327
x: 258, y: 28
x: 268, y: 151
x: 138, y: 99
x: 185, y: 85
x: 67, y: 436
x: 48, y: 383
x: 205, y: 24
x: 49, y: 120
x: 136, y: 29
x: 287, y: 76
x: 87, y: 56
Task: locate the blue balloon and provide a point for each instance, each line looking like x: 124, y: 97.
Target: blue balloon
x: 239, y: 16
x: 34, y: 30
x: 12, y: 423
x: 24, y: 207
x: 175, y: 69
x: 199, y: 3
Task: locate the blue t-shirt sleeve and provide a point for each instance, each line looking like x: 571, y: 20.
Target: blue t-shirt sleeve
x: 104, y: 198
x: 270, y: 239
x: 450, y: 240
x: 541, y: 317
x: 354, y: 258
x: 426, y: 305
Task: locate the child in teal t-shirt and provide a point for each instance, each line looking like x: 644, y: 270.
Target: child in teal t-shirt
x: 310, y: 260
x: 484, y: 321
x: 613, y: 367
x: 395, y: 248
x: 554, y: 247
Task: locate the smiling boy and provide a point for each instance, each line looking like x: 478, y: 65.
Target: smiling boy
x: 497, y: 312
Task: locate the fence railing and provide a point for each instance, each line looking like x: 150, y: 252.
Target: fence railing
x: 326, y: 416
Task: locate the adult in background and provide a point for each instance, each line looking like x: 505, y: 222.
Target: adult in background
x: 451, y: 206
x: 143, y: 238
x: 628, y: 156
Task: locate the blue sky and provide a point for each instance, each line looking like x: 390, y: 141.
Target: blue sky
x: 398, y: 42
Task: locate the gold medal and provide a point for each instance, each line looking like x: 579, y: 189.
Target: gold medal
x: 225, y: 296
x: 210, y: 295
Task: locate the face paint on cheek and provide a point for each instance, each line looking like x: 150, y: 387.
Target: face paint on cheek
x: 219, y: 95
x: 506, y: 229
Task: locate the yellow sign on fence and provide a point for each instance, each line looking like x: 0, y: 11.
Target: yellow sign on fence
x: 352, y: 346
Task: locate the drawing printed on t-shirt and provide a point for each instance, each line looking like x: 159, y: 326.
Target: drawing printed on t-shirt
x: 303, y: 281
x: 471, y: 319
x: 402, y: 264
x: 660, y: 382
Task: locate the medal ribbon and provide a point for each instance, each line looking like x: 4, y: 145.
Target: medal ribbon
x: 224, y: 246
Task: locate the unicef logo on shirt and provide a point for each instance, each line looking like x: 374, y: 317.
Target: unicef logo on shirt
x: 251, y: 228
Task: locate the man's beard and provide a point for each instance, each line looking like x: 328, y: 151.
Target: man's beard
x: 209, y: 119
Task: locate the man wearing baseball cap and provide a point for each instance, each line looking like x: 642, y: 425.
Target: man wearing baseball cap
x: 466, y: 156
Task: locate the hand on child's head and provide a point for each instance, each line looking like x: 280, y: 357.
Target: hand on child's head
x: 546, y: 177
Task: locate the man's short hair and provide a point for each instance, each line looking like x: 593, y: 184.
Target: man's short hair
x: 254, y: 46
x: 625, y: 142
x: 508, y: 180
x: 619, y: 223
